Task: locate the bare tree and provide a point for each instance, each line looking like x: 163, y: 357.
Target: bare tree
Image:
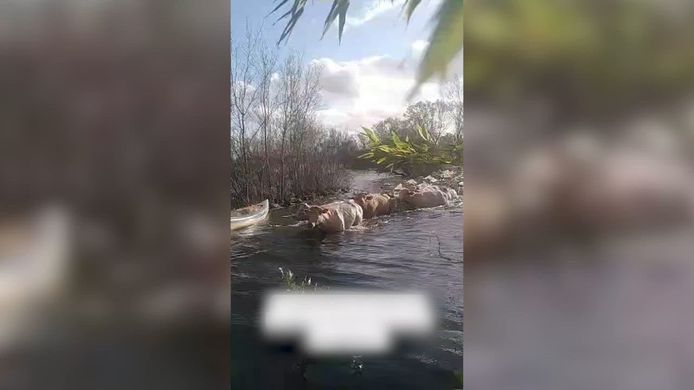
x: 279, y: 150
x: 432, y: 116
x: 244, y: 94
x: 267, y: 105
x: 453, y: 93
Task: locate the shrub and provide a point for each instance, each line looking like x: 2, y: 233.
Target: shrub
x: 410, y: 157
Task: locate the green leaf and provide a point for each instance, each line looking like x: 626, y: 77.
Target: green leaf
x: 343, y: 19
x: 296, y: 11
x: 339, y: 8
x: 445, y: 43
x: 371, y: 135
x: 409, y: 8
x: 330, y: 18
x: 283, y: 2
x: 366, y: 155
x: 423, y: 133
x: 381, y: 160
x: 398, y: 142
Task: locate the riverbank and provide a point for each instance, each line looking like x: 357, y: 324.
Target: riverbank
x: 373, y: 181
x: 450, y: 176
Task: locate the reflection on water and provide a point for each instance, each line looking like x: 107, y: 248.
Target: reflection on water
x: 400, y: 251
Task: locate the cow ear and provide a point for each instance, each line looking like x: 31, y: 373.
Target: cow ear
x: 324, y: 210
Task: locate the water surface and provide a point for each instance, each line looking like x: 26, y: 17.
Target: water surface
x: 419, y: 249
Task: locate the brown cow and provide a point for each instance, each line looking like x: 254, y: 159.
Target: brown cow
x: 374, y: 205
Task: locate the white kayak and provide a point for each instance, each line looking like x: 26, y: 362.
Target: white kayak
x: 250, y: 215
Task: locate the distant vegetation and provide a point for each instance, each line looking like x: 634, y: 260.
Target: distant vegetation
x: 411, y: 157
x: 427, y: 136
x: 279, y: 151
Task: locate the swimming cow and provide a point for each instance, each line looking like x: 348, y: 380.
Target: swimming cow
x: 424, y: 197
x: 374, y: 205
x: 302, y: 210
x: 335, y: 217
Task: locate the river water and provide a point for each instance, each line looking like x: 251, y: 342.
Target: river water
x: 421, y: 249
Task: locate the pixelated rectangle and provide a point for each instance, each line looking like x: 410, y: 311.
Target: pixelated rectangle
x: 346, y: 321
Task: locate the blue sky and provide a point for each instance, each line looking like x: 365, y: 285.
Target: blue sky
x: 385, y: 33
x: 368, y: 75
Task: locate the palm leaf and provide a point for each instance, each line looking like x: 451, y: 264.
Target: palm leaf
x: 424, y: 134
x: 339, y: 8
x: 445, y: 43
x: 397, y: 141
x: 343, y: 19
x: 409, y: 8
x: 283, y: 2
x: 294, y: 15
x: 371, y: 135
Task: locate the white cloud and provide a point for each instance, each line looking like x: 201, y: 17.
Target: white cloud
x: 364, y: 91
x: 375, y: 9
x: 418, y: 47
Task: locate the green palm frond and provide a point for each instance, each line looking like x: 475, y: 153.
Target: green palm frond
x: 339, y: 8
x: 409, y: 7
x: 371, y: 135
x: 406, y: 154
x: 294, y: 14
x: 424, y: 134
x: 445, y: 43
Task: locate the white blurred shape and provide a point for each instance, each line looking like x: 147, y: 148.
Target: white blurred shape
x: 346, y: 322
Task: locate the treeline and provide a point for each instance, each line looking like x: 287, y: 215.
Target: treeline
x: 426, y: 137
x: 279, y: 151
x: 442, y: 119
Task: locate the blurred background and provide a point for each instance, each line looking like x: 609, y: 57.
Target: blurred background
x: 114, y: 169
x: 579, y: 194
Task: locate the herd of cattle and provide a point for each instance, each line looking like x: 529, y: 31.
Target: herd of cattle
x: 341, y: 215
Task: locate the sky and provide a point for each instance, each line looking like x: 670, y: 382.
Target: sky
x: 367, y: 76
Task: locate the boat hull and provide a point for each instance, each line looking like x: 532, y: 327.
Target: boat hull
x: 241, y: 222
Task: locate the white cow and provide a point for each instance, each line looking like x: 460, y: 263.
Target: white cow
x: 424, y: 198
x: 335, y: 217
